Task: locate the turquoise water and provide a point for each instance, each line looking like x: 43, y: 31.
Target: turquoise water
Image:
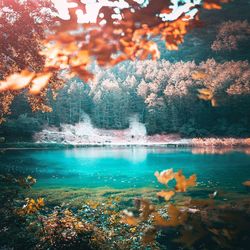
x: 124, y: 167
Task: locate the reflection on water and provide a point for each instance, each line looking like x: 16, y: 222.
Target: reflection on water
x: 131, y: 167
x: 134, y: 154
x: 219, y: 150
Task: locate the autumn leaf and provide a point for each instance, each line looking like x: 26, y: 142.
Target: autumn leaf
x: 246, y: 183
x: 182, y: 183
x: 66, y: 46
x: 17, y: 81
x: 41, y: 81
x: 205, y: 94
x: 199, y: 75
x: 128, y: 218
x: 211, y: 6
x: 171, y: 46
x: 81, y: 72
x: 165, y: 176
x: 40, y: 202
x: 214, y: 102
x: 167, y: 195
x: 214, y: 4
x: 31, y: 206
x: 175, y: 217
x: 81, y: 58
x: 146, y: 209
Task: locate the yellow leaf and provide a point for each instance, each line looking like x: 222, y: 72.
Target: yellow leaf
x: 40, y: 202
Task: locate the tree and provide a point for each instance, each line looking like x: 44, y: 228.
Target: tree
x: 230, y: 34
x: 35, y: 53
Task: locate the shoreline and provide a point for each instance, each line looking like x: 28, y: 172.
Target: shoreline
x: 216, y: 143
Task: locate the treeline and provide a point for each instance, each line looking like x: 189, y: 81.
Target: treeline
x: 165, y: 96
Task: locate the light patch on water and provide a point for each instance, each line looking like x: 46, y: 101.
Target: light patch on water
x: 134, y: 155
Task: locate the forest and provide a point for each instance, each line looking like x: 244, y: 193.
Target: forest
x: 163, y: 94
x: 195, y: 91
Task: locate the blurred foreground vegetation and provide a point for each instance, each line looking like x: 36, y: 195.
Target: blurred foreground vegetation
x: 120, y: 219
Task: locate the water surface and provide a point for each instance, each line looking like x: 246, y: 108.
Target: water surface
x: 124, y: 167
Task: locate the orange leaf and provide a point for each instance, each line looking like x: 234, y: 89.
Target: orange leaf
x: 205, y: 94
x: 246, y: 183
x: 199, y: 75
x: 182, y: 183
x: 176, y: 218
x: 82, y: 58
x: 17, y: 81
x: 211, y: 6
x: 165, y: 176
x: 167, y: 195
x: 129, y: 219
x: 40, y: 82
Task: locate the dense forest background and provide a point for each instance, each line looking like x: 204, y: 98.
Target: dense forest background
x: 163, y: 93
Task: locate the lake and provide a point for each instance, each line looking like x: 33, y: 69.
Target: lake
x: 121, y: 168
x: 100, y: 188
